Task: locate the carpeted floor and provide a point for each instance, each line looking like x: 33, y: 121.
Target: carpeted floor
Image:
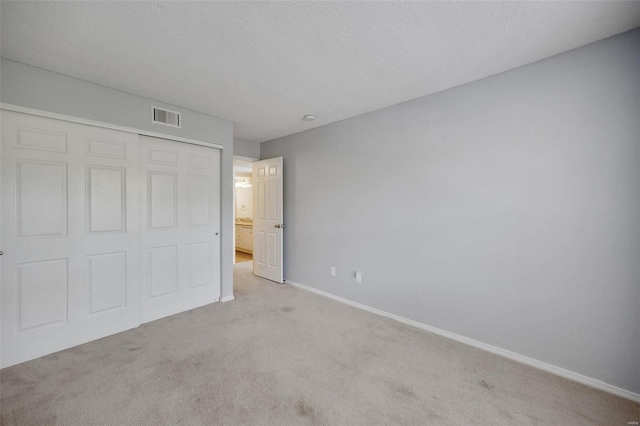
x: 279, y: 355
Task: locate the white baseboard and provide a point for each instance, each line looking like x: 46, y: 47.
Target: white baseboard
x: 567, y: 374
x: 227, y: 298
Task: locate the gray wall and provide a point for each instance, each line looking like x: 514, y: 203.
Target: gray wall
x: 36, y: 88
x: 245, y: 148
x: 504, y: 210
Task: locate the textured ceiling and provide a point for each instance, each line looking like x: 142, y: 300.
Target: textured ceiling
x: 264, y: 65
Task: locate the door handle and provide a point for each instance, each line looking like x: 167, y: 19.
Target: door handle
x: 280, y: 226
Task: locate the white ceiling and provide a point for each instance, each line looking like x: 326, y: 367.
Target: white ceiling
x: 264, y: 65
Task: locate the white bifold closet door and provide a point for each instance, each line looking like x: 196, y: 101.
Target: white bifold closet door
x: 70, y: 235
x: 180, y: 226
x: 101, y: 230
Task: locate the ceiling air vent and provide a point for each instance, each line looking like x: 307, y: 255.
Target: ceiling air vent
x: 166, y: 117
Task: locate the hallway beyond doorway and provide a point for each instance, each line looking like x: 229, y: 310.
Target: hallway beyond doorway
x: 243, y: 257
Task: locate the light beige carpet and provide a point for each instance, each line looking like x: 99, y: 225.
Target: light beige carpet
x: 282, y: 356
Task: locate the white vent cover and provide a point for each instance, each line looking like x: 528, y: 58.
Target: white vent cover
x: 166, y: 117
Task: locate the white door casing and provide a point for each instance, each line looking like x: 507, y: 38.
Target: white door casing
x: 180, y: 226
x: 70, y: 233
x: 268, y: 225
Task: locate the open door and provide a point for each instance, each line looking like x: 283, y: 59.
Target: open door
x: 268, y: 225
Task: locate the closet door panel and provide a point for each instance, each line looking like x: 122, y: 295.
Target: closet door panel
x: 180, y: 226
x: 70, y: 235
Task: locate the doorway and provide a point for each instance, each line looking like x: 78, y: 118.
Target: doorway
x: 243, y: 211
x: 258, y: 215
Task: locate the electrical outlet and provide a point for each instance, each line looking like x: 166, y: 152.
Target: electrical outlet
x: 333, y: 271
x: 358, y: 277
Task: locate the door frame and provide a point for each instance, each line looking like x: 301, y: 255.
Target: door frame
x: 246, y: 160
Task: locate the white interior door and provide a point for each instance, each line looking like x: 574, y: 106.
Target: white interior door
x: 268, y: 223
x: 70, y: 235
x: 180, y: 226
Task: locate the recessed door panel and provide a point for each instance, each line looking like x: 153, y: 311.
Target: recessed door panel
x: 42, y: 290
x: 272, y: 201
x: 107, y: 281
x: 260, y: 193
x: 41, y: 140
x: 106, y: 148
x: 163, y: 207
x: 41, y: 199
x: 199, y: 162
x: 200, y: 264
x: 199, y: 200
x: 163, y: 270
x: 158, y: 156
x: 260, y: 249
x: 106, y: 199
x: 271, y: 249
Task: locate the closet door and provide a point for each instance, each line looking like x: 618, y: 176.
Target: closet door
x: 70, y: 235
x: 180, y: 221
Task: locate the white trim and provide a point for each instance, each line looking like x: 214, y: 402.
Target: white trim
x: 71, y: 119
x: 228, y: 298
x: 245, y: 159
x: 567, y: 374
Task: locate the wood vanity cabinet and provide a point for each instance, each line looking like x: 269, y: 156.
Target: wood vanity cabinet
x: 244, y: 238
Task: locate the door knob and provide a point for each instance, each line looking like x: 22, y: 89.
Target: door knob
x: 1, y: 252
x: 280, y: 226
